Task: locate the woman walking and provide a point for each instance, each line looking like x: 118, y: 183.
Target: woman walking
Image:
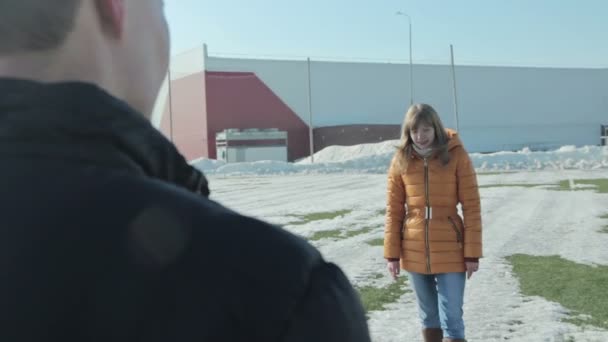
x: 430, y: 174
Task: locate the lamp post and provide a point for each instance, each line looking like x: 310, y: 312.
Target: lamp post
x: 409, y: 19
x: 310, y: 127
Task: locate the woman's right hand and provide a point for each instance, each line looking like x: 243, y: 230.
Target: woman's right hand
x: 393, y: 269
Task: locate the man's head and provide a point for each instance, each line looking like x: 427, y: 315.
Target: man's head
x: 120, y: 45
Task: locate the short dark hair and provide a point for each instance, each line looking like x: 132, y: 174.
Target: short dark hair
x: 35, y: 25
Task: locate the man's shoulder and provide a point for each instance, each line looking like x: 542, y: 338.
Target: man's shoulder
x: 230, y: 234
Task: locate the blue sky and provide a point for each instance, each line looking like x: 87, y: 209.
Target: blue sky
x: 562, y: 33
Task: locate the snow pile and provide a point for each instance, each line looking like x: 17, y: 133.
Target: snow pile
x: 375, y: 158
x: 337, y: 154
x: 207, y: 165
x: 567, y: 157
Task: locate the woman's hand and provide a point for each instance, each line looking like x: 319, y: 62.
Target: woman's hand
x: 393, y: 269
x: 471, y: 267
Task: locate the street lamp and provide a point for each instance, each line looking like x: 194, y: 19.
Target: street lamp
x: 409, y: 19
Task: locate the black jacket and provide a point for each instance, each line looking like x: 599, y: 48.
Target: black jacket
x: 107, y: 234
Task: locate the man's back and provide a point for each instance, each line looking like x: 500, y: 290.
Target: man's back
x: 102, y: 239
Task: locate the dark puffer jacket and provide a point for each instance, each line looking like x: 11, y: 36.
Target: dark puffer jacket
x: 107, y: 235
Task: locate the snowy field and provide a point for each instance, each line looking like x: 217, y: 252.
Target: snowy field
x: 532, y: 220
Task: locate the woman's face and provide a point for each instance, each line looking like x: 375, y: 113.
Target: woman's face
x: 423, y: 135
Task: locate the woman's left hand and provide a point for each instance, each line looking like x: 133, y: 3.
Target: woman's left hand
x: 471, y: 267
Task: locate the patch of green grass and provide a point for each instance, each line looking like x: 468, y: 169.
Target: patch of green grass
x: 339, y: 234
x: 491, y: 173
x: 605, y: 228
x: 512, y: 185
x: 353, y: 233
x: 374, y: 298
x: 579, y: 288
x: 376, y: 242
x: 325, y: 234
x: 564, y: 185
x: 327, y: 215
x: 600, y: 184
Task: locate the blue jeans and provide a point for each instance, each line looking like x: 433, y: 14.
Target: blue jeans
x: 440, y: 299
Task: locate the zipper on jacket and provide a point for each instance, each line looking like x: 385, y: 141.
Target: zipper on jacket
x: 458, y: 233
x: 427, y: 215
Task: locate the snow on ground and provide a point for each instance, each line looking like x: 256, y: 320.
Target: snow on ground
x: 537, y: 221
x: 375, y: 158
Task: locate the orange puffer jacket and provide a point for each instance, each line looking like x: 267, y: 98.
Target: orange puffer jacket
x: 423, y: 227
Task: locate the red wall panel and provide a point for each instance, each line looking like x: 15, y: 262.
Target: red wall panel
x: 241, y: 100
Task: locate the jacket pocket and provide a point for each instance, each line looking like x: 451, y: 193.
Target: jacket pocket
x: 457, y: 231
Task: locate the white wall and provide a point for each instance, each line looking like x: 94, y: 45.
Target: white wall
x: 250, y: 154
x: 181, y: 65
x: 160, y: 104
x: 500, y: 107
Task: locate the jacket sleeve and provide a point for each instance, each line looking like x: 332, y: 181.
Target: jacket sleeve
x: 329, y: 311
x: 395, y: 214
x: 468, y: 196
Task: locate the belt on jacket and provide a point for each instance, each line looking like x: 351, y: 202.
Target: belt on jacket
x: 430, y: 212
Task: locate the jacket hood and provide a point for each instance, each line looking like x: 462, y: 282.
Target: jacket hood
x: 454, y: 139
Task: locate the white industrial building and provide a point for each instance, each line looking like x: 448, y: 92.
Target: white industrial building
x: 500, y: 107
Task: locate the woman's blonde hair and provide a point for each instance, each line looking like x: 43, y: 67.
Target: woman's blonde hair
x: 416, y: 115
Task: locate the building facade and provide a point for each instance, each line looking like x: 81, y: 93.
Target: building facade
x: 499, y: 108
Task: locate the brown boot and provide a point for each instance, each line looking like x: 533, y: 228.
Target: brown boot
x: 454, y: 340
x: 432, y: 334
